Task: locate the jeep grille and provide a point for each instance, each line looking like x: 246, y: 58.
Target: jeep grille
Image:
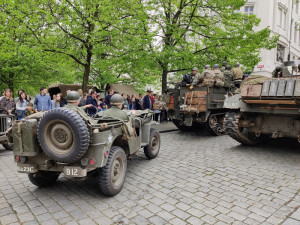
x: 3, y: 125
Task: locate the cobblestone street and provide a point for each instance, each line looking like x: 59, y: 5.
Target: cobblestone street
x: 196, y: 179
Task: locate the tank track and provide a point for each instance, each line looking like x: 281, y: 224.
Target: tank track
x: 231, y: 123
x: 219, y: 127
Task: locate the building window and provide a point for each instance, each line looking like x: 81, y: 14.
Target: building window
x: 249, y: 10
x: 280, y: 53
x: 282, y: 17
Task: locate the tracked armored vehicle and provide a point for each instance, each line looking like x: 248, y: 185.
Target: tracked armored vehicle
x: 202, y: 107
x: 266, y: 107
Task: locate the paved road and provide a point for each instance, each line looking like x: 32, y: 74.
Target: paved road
x: 197, y: 179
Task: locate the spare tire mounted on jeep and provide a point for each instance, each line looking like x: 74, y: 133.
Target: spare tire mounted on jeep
x: 63, y: 135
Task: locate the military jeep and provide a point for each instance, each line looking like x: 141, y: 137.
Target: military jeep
x: 61, y: 141
x: 5, y: 124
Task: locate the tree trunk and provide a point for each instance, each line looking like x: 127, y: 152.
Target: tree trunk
x: 164, y: 80
x: 11, y: 82
x: 87, y: 69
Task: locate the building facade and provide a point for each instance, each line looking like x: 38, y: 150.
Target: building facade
x: 282, y: 17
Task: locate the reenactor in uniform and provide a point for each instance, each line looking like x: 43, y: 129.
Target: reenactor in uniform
x: 219, y: 76
x: 228, y: 77
x: 73, y: 99
x: 207, y: 76
x: 115, y: 112
x: 224, y: 64
x: 196, y: 77
x: 237, y: 72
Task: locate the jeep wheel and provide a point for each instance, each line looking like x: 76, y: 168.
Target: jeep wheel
x: 112, y: 175
x: 43, y: 178
x: 8, y: 147
x: 152, y: 149
x: 63, y: 135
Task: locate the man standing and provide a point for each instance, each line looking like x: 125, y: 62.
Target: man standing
x: 42, y: 101
x: 196, y: 77
x: 147, y: 102
x: 237, y: 72
x: 108, y: 97
x: 91, y: 100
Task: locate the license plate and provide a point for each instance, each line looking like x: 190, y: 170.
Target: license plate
x: 27, y: 169
x: 72, y: 171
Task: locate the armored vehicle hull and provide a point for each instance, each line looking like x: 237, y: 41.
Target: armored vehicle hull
x: 60, y: 141
x: 202, y: 107
x: 264, y: 110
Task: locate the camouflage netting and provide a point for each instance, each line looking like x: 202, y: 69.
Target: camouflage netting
x: 254, y: 79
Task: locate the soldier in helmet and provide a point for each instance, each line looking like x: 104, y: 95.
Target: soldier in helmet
x: 196, y: 77
x: 219, y: 76
x: 224, y: 64
x: 73, y: 99
x: 237, y: 72
x: 208, y: 76
x: 228, y: 77
x: 115, y: 112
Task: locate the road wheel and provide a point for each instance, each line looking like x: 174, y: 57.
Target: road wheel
x: 63, y: 135
x: 8, y: 147
x: 152, y: 149
x: 43, y: 178
x: 112, y: 175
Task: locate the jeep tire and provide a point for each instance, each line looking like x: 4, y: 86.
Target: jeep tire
x: 63, y: 135
x: 43, y: 178
x: 152, y: 149
x: 112, y: 175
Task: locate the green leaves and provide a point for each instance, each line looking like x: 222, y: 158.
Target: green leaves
x: 137, y: 42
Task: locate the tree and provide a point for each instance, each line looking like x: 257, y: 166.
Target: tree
x: 86, y: 31
x: 197, y: 32
x: 24, y: 65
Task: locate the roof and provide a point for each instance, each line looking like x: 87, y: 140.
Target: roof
x: 122, y: 88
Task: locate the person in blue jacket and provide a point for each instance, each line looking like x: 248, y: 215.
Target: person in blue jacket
x: 91, y: 99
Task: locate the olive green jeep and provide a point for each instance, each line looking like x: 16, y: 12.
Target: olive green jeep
x: 61, y: 141
x: 5, y: 123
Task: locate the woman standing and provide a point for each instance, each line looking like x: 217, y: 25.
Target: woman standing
x: 21, y: 106
x: 133, y: 104
x: 57, y: 102
x: 7, y: 104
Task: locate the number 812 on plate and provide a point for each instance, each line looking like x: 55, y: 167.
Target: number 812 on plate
x: 72, y: 171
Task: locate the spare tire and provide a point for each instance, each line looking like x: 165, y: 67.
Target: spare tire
x: 63, y: 135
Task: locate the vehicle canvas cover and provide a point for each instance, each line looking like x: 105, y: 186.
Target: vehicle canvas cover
x: 25, y: 138
x: 195, y: 101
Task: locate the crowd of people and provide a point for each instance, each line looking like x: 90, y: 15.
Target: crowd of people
x: 22, y: 106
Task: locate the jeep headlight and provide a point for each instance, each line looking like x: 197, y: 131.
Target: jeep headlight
x: 8, y: 122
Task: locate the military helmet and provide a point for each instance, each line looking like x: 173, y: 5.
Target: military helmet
x: 206, y: 66
x: 116, y: 99
x: 195, y: 69
x: 237, y: 65
x: 224, y: 63
x: 227, y: 67
x: 216, y: 66
x: 278, y: 68
x: 73, y: 96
